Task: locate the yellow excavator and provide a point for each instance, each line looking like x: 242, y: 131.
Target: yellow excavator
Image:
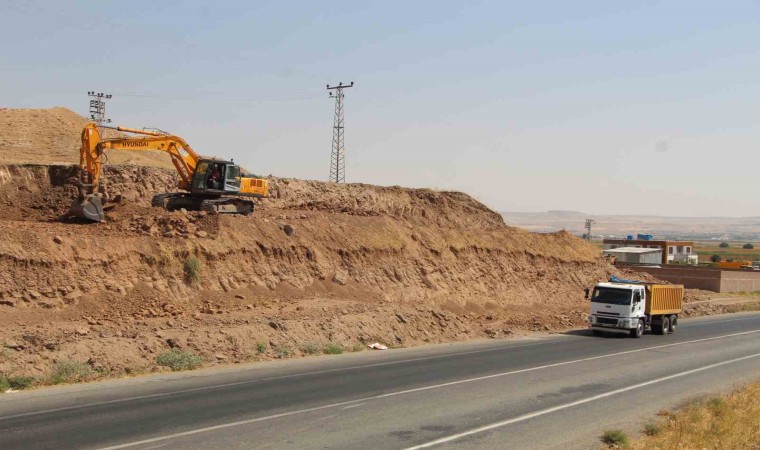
x: 210, y: 184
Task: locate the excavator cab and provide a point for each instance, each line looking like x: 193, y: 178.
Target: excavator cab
x: 216, y: 177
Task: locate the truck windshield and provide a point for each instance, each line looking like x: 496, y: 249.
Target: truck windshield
x: 612, y: 296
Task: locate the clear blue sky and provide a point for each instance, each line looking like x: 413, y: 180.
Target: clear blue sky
x: 599, y: 106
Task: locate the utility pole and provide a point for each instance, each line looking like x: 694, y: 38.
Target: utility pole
x: 98, y: 107
x: 589, y: 222
x: 338, y: 155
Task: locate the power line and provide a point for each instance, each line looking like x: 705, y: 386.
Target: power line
x: 221, y: 96
x: 338, y: 154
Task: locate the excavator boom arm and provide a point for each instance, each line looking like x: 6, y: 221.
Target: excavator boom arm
x: 183, y: 156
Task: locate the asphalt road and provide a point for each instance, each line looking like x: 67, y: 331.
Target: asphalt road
x: 550, y: 392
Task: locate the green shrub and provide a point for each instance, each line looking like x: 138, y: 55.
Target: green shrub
x: 333, y: 349
x: 715, y: 258
x: 748, y: 246
x: 615, y: 437
x: 17, y: 383
x: 177, y: 360
x: 261, y: 347
x: 192, y: 268
x: 310, y: 348
x: 359, y: 347
x: 724, y: 245
x: 68, y: 371
x: 652, y: 429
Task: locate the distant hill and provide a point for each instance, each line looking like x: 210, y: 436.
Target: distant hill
x: 50, y: 136
x: 622, y: 225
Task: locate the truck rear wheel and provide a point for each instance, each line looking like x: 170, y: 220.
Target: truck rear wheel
x: 673, y: 323
x: 638, y: 331
x: 661, y: 326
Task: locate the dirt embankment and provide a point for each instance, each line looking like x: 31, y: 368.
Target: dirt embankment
x: 317, y: 263
x: 52, y: 136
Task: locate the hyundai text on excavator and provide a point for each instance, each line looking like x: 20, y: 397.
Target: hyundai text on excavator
x: 210, y: 184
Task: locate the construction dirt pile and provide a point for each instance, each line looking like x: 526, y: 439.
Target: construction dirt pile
x: 317, y: 265
x: 53, y: 136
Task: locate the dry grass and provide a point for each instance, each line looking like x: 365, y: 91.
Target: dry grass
x: 730, y: 422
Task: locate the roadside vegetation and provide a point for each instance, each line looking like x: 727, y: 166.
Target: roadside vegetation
x: 725, y: 422
x: 178, y: 360
x: 192, y: 269
x: 615, y: 438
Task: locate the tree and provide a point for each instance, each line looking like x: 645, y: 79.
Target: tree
x: 724, y: 245
x: 748, y: 246
x: 715, y: 258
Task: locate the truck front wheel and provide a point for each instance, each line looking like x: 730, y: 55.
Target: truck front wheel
x: 638, y: 331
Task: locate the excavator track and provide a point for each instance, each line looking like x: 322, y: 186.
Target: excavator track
x: 227, y: 205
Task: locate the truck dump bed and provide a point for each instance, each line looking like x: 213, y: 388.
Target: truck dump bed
x: 664, y: 299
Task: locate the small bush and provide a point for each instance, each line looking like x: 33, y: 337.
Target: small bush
x: 652, y: 429
x: 4, y: 384
x: 359, y: 347
x: 716, y: 404
x: 748, y: 246
x: 70, y: 372
x: 724, y: 245
x: 615, y: 437
x: 730, y: 259
x: 192, y: 268
x: 261, y: 347
x: 20, y: 383
x: 333, y: 349
x: 283, y: 353
x: 715, y: 258
x: 311, y: 348
x: 178, y: 360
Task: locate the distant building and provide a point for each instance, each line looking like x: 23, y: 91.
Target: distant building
x: 636, y: 255
x: 672, y: 251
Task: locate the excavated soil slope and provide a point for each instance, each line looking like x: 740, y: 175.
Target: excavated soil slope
x: 52, y: 136
x: 317, y: 263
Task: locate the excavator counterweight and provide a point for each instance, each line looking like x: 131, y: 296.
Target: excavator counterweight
x: 209, y: 184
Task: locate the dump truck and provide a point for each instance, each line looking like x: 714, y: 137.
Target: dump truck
x: 632, y: 307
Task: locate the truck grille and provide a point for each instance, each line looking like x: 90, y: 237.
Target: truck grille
x: 607, y: 320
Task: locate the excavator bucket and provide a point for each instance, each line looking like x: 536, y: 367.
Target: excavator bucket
x: 88, y: 208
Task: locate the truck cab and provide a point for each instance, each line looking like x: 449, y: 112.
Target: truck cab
x: 632, y: 308
x: 616, y: 308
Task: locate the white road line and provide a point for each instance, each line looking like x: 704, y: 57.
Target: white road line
x: 409, y: 391
x: 542, y: 412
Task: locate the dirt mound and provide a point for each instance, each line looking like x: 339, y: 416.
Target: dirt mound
x: 447, y: 209
x: 317, y: 263
x: 52, y: 136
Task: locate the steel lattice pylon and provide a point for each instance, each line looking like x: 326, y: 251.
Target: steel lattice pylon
x: 338, y: 155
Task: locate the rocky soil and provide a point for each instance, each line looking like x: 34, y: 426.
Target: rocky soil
x: 316, y: 264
